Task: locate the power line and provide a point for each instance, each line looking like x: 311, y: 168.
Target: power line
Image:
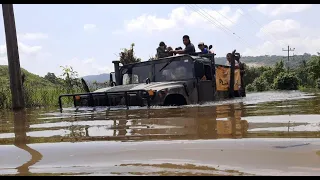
x: 219, y: 22
x: 288, y: 50
x: 212, y: 20
x: 241, y: 14
x: 260, y: 25
x: 207, y: 17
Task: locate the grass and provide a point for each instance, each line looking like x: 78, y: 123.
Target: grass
x: 34, y: 97
x: 309, y: 90
x: 38, y: 91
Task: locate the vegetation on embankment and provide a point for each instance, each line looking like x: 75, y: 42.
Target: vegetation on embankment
x: 305, y: 76
x: 39, y: 91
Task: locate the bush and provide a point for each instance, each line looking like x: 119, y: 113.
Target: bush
x: 260, y: 84
x: 250, y: 88
x: 318, y: 83
x: 286, y: 81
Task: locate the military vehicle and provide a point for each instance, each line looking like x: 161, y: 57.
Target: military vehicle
x: 171, y: 81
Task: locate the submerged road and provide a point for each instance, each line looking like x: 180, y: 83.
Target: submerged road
x: 203, y: 157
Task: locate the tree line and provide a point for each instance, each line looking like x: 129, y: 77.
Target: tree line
x: 305, y: 75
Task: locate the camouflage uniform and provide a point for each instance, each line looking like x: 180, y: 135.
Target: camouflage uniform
x: 162, y: 53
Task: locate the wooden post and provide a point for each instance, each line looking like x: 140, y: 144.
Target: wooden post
x: 13, y: 57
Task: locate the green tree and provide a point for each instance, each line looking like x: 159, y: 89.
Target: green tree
x: 314, y: 66
x: 51, y: 77
x: 252, y: 73
x: 279, y: 67
x: 127, y: 56
x: 71, y: 79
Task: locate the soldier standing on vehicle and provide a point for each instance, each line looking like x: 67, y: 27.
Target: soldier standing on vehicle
x: 189, y: 49
x: 229, y: 60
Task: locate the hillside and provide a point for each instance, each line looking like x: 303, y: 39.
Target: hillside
x: 269, y: 60
x: 30, y: 78
x: 101, y: 78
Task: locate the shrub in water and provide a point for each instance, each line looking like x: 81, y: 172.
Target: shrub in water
x: 286, y: 81
x: 318, y: 83
x: 260, y: 84
x: 249, y: 87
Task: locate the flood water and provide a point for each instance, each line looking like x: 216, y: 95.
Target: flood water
x: 270, y: 133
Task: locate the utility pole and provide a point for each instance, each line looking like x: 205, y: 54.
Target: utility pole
x: 13, y: 57
x: 289, y: 49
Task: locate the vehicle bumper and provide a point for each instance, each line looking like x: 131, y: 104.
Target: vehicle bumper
x: 113, y: 99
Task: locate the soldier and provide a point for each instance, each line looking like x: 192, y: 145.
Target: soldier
x: 189, y: 49
x: 162, y: 50
x: 203, y: 48
x: 228, y: 63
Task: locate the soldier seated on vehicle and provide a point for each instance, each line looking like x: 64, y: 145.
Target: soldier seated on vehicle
x: 202, y: 48
x: 228, y: 63
x: 162, y: 50
x: 209, y: 49
x: 169, y: 50
x: 189, y: 49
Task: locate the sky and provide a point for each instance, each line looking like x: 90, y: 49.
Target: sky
x: 90, y: 37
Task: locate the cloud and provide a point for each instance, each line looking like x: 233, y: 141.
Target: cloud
x: 88, y: 27
x: 87, y: 66
x: 181, y: 18
x: 3, y: 54
x: 32, y: 36
x: 24, y: 51
x: 282, y: 33
x: 280, y: 29
x: 277, y: 9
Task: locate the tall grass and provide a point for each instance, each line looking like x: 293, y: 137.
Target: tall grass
x: 37, y: 97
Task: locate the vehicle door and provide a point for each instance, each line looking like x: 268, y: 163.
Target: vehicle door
x: 204, y: 82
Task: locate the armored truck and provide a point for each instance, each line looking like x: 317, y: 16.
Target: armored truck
x: 171, y: 81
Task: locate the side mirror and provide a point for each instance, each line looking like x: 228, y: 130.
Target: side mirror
x: 210, y: 47
x: 199, y: 69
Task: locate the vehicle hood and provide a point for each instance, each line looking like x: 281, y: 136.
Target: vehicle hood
x: 143, y: 86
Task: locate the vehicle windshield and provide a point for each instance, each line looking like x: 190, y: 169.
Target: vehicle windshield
x: 174, y: 71
x: 164, y: 71
x: 136, y: 74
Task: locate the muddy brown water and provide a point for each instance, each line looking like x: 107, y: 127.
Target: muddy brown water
x: 270, y: 133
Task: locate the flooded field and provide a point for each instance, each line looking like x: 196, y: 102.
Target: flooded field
x: 271, y: 133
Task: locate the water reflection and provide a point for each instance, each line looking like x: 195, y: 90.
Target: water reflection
x: 20, y: 141
x: 189, y: 123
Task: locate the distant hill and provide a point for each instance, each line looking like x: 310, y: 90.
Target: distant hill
x: 294, y: 61
x: 101, y: 78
